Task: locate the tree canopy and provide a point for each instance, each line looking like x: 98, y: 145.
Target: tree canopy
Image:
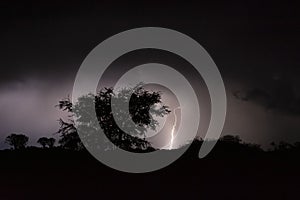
x: 17, y: 141
x: 44, y: 141
x: 141, y: 109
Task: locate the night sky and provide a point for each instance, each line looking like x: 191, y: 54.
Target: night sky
x: 254, y: 44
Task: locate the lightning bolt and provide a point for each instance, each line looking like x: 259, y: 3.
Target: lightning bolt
x: 173, y: 129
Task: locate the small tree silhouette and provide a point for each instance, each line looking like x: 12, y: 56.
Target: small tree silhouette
x: 18, y: 141
x: 69, y: 136
x: 51, y: 142
x: 44, y: 141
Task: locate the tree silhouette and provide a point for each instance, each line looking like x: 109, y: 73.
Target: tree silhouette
x: 18, y: 141
x: 69, y: 136
x: 141, y: 110
x: 44, y: 141
x: 51, y: 142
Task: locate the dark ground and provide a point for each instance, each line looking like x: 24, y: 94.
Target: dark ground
x: 229, y: 172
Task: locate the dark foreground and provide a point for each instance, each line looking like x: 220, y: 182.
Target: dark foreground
x: 227, y: 173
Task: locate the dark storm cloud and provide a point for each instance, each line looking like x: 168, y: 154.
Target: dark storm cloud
x: 53, y: 37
